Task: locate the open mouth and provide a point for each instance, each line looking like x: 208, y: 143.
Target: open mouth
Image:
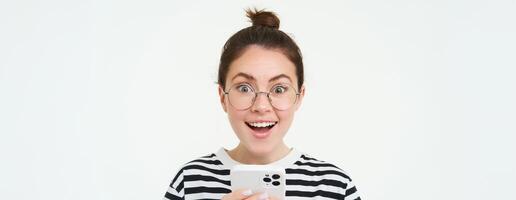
x: 261, y: 126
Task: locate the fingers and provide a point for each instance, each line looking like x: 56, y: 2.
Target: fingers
x: 263, y: 196
x: 238, y: 195
x: 274, y: 198
x: 244, y: 194
x: 260, y: 196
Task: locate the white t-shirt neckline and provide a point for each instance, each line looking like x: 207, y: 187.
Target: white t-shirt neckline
x: 284, y: 162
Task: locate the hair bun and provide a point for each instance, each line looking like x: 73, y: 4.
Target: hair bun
x: 263, y: 18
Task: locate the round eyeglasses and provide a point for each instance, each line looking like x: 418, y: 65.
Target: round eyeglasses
x: 243, y: 96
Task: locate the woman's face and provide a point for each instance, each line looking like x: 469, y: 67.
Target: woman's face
x: 260, y: 69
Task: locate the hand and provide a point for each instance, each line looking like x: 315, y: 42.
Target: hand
x: 246, y: 195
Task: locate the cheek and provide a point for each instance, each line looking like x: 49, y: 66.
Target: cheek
x: 286, y: 116
x: 235, y: 116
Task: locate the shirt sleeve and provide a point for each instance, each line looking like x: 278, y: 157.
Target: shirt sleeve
x: 351, y: 192
x: 175, y: 190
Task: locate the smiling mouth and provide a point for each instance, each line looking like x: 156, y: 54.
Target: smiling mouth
x: 261, y: 126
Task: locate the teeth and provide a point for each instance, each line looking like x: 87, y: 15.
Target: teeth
x: 261, y: 124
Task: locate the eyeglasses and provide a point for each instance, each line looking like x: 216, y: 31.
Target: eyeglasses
x: 281, y: 96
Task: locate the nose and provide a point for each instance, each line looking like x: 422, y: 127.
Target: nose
x: 261, y: 103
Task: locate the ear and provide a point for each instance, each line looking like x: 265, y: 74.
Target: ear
x: 300, y: 97
x: 222, y: 97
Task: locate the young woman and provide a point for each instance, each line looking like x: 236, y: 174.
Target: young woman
x: 261, y: 87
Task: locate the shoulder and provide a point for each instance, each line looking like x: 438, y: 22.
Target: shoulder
x: 329, y: 178
x: 193, y: 178
x: 320, y: 167
x: 209, y: 159
x: 308, y: 167
x: 202, y: 165
x: 208, y: 163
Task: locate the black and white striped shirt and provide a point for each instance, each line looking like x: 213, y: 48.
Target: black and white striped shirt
x: 306, y: 178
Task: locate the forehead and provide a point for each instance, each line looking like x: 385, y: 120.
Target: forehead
x: 263, y: 64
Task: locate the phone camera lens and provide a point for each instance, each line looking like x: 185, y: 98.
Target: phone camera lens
x: 276, y: 183
x: 267, y: 180
x: 275, y: 176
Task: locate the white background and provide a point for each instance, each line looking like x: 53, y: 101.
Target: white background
x: 106, y: 99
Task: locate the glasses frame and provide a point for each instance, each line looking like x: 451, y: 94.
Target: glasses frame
x: 266, y: 94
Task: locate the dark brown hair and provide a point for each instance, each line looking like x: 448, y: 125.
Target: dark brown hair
x: 265, y: 33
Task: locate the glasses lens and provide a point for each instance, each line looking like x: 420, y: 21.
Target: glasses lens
x: 282, y: 97
x: 241, y: 96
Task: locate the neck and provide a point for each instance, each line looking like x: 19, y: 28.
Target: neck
x: 244, y: 156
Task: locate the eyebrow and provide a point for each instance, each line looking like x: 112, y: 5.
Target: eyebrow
x: 248, y: 76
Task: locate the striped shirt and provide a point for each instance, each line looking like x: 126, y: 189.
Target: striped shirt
x: 306, y: 178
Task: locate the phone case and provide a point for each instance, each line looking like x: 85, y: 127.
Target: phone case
x: 259, y: 178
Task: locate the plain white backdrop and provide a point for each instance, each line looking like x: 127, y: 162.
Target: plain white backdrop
x: 107, y: 99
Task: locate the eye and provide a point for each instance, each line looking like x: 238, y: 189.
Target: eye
x: 279, y: 89
x: 244, y: 88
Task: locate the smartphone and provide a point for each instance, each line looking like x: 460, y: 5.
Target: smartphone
x: 259, y: 178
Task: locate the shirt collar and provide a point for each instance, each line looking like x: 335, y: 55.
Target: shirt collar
x: 284, y: 162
